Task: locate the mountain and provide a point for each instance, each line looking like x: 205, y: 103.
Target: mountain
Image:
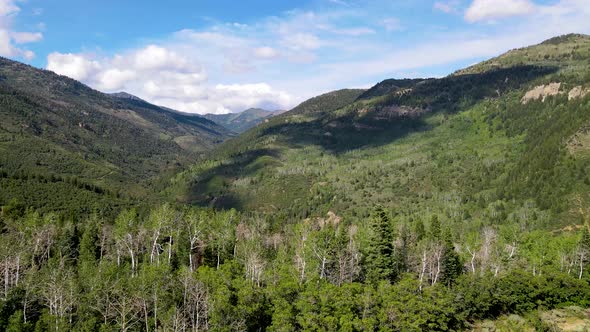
x: 57, y: 132
x: 438, y: 204
x: 125, y: 95
x: 242, y: 121
x: 509, y: 134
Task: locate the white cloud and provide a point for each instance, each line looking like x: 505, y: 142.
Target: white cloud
x: 266, y: 52
x: 449, y: 7
x: 75, y: 66
x: 164, y: 77
x: 26, y: 37
x: 238, y: 95
x: 391, y: 24
x: 340, y: 2
x: 354, y: 31
x: 7, y: 7
x: 277, y: 62
x: 115, y: 79
x: 302, y: 42
x: 9, y: 38
x: 486, y: 10
x: 154, y: 57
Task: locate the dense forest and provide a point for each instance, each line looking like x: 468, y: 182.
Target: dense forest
x: 417, y: 205
x: 192, y: 269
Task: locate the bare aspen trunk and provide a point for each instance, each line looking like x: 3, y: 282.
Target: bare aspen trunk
x: 423, y: 269
x: 154, y: 248
x: 170, y: 249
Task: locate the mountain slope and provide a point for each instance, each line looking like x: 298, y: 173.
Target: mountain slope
x: 467, y: 145
x: 240, y: 122
x: 55, y: 127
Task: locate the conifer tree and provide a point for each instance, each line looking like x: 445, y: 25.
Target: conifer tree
x: 452, y: 267
x: 379, y: 260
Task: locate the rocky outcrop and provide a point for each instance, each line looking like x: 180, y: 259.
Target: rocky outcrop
x: 541, y: 92
x: 578, y: 92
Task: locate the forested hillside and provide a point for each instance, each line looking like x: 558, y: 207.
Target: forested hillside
x: 467, y: 146
x: 60, y: 140
x: 242, y: 121
x: 451, y: 204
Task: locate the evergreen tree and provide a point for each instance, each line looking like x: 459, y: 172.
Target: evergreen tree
x: 435, y: 231
x: 380, y: 261
x: 420, y: 230
x: 452, y: 266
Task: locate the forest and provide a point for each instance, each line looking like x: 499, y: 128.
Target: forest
x: 188, y: 269
x: 417, y: 205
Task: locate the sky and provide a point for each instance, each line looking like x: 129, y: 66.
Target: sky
x: 205, y: 56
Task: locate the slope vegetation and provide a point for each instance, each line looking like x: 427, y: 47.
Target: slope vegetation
x: 240, y: 122
x: 55, y: 130
x: 467, y: 146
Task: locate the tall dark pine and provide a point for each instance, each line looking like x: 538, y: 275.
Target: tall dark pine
x: 379, y: 262
x: 452, y: 267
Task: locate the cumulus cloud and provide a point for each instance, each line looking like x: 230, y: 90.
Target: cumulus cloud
x: 165, y: 77
x: 486, y: 10
x: 10, y: 38
x: 279, y: 61
x: 75, y: 66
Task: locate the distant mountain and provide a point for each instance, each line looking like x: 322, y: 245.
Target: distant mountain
x: 510, y: 132
x: 55, y: 130
x: 242, y: 121
x: 125, y: 95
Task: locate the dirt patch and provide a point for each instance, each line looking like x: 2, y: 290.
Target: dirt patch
x: 578, y: 92
x: 579, y: 142
x: 568, y: 319
x: 541, y: 92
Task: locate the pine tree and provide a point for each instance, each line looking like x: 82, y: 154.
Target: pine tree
x: 379, y: 260
x: 435, y: 227
x: 420, y: 230
x: 452, y: 267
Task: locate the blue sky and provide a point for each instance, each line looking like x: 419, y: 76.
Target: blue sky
x: 225, y: 56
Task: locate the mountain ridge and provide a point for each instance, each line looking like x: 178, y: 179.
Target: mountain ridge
x: 286, y: 154
x: 242, y: 121
x: 54, y: 126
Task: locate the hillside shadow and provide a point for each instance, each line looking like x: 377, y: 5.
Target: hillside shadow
x: 452, y: 94
x: 355, y: 127
x: 211, y: 189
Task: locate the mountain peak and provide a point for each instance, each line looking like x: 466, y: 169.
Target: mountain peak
x: 125, y: 95
x: 557, y: 52
x: 568, y: 38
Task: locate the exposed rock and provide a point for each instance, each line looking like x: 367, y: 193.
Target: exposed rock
x: 578, y: 92
x: 394, y: 111
x: 541, y: 92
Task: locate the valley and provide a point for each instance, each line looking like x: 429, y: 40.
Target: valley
x: 457, y: 203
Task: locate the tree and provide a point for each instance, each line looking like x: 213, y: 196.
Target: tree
x: 452, y: 266
x: 379, y: 262
x: 435, y: 228
x: 583, y: 250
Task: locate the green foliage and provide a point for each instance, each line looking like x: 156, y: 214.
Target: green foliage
x: 240, y: 122
x: 488, y: 191
x: 64, y: 146
x: 380, y: 257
